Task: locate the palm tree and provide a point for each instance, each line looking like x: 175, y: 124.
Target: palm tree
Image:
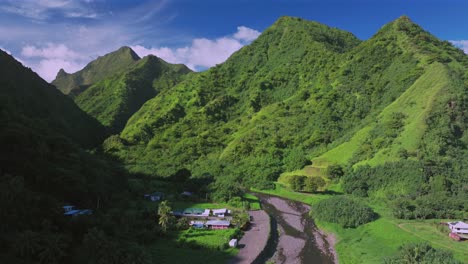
x: 165, y: 216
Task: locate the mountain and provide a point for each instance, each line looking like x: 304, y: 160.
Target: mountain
x: 27, y: 101
x: 305, y: 91
x: 97, y: 70
x: 44, y: 165
x: 115, y: 99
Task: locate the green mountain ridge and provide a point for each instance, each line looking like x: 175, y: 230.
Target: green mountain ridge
x: 114, y: 100
x: 97, y: 70
x: 300, y: 90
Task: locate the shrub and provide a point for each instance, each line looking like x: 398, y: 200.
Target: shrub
x: 344, y: 211
x: 421, y: 253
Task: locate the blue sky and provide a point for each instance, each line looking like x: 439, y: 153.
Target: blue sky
x: 47, y: 35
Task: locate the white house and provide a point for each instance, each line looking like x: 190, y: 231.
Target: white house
x: 221, y: 212
x: 458, y: 227
x: 206, y: 212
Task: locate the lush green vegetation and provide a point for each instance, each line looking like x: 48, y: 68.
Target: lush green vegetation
x: 246, y: 121
x: 113, y: 100
x: 383, y: 120
x: 343, y: 211
x: 421, y: 253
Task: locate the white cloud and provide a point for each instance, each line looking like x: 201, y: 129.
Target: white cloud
x: 46, y: 33
x: 246, y: 34
x: 51, y: 51
x: 43, y: 9
x: 203, y: 52
x: 48, y: 68
x: 463, y: 44
x: 49, y: 59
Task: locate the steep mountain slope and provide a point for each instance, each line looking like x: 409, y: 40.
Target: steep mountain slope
x: 28, y: 99
x: 113, y: 100
x: 300, y: 90
x: 42, y: 167
x: 97, y: 70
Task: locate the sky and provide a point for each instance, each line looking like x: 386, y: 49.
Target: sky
x: 47, y: 35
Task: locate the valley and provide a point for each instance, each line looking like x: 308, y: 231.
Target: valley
x: 356, y: 150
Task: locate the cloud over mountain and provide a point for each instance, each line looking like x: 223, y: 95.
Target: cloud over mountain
x: 203, y: 53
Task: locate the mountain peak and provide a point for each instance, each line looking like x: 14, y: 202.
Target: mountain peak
x: 99, y: 69
x: 127, y: 50
x: 61, y: 73
x: 403, y: 24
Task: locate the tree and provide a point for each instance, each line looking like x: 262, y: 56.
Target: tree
x: 296, y: 182
x: 344, y: 211
x: 421, y: 253
x: 312, y: 184
x: 240, y: 219
x: 165, y: 216
x: 335, y: 171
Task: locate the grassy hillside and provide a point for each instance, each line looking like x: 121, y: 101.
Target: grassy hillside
x: 97, y: 70
x: 29, y: 100
x: 113, y: 100
x: 300, y: 91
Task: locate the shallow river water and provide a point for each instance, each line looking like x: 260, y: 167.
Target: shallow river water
x: 294, y: 239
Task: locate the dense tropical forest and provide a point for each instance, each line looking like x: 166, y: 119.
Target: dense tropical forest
x: 367, y: 127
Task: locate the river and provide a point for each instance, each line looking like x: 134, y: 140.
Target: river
x: 294, y: 238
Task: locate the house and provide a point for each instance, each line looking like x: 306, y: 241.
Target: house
x: 154, y: 197
x: 221, y: 212
x: 206, y: 212
x: 68, y: 208
x: 72, y: 212
x: 458, y: 227
x: 187, y: 194
x: 86, y: 212
x: 197, y: 224
x: 218, y: 224
x: 233, y: 243
x: 194, y: 211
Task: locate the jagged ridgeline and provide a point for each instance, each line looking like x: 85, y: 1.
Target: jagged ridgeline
x: 305, y: 91
x: 97, y: 70
x: 115, y: 86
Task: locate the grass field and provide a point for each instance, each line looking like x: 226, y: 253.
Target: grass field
x: 188, y: 249
x: 372, y: 242
x: 253, y: 201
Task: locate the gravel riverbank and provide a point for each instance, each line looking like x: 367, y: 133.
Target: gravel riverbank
x: 299, y: 241
x: 255, y: 238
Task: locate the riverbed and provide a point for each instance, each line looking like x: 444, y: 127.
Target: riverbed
x: 294, y: 237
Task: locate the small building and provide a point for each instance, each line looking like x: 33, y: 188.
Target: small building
x: 218, y: 224
x: 194, y: 211
x: 72, y: 212
x: 67, y: 208
x: 221, y: 212
x: 187, y: 194
x: 86, y: 212
x: 197, y: 224
x: 458, y: 227
x: 233, y: 243
x: 206, y: 212
x: 154, y: 197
